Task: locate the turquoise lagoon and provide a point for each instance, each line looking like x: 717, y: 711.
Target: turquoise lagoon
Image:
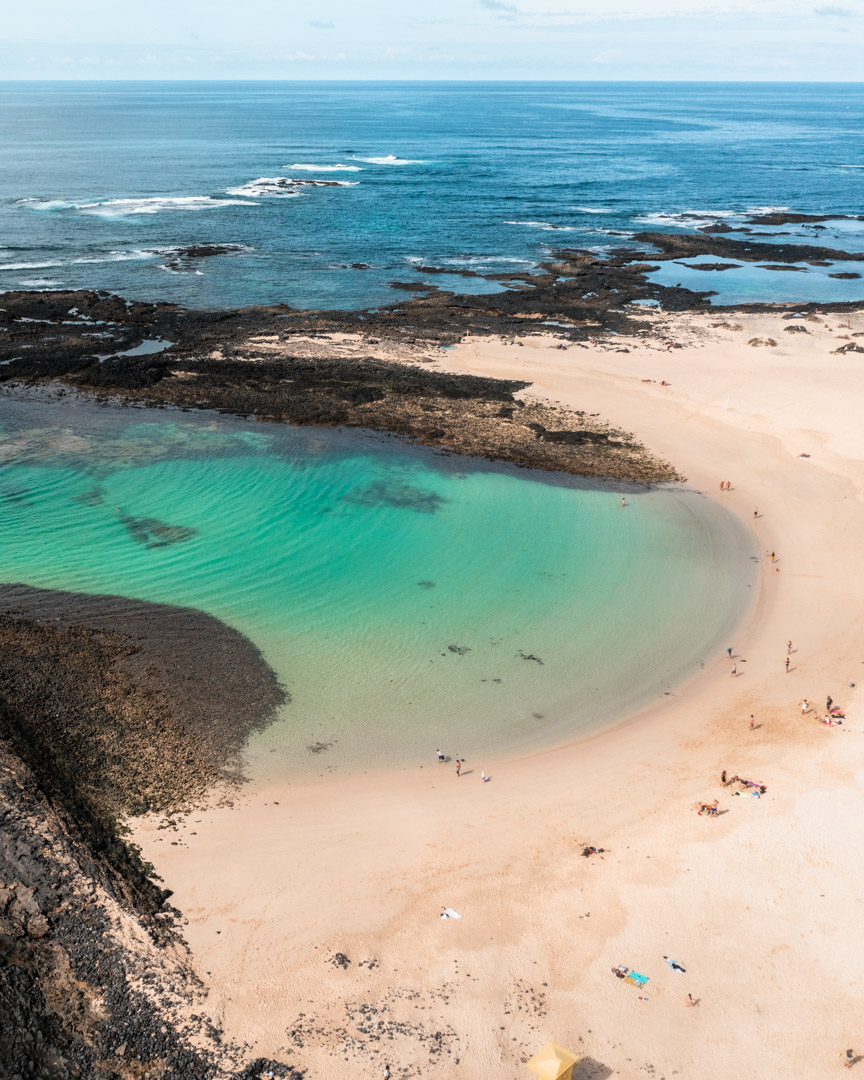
x: 408, y: 600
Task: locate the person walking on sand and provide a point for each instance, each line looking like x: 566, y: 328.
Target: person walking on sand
x: 829, y: 701
x: 440, y: 756
x: 734, y: 671
x: 805, y: 706
x: 458, y: 767
x: 752, y: 722
x: 689, y: 1002
x: 756, y: 512
x: 848, y: 1059
x: 729, y: 652
x: 787, y: 665
x: 788, y: 647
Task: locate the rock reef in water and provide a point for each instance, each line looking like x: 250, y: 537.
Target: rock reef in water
x: 217, y: 362
x: 141, y: 707
x: 109, y: 706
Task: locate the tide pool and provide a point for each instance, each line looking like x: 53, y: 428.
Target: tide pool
x: 407, y: 600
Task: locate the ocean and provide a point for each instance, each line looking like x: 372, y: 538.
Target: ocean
x: 104, y: 185
x: 407, y: 600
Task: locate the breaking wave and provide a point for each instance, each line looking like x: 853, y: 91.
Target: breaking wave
x: 325, y: 168
x: 390, y: 159
x: 546, y: 226
x: 283, y: 187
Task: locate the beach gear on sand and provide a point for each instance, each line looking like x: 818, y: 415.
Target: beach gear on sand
x: 449, y: 913
x: 637, y: 979
x: 553, y: 1062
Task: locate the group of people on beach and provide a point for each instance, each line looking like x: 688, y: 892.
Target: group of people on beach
x: 459, y: 763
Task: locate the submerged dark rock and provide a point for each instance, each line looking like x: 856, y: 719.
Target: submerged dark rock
x: 152, y: 533
x: 137, y: 706
x: 109, y: 706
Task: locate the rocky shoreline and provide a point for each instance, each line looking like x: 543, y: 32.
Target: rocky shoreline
x: 108, y: 707
x: 248, y: 362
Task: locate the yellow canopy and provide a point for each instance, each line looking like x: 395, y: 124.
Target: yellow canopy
x: 552, y: 1062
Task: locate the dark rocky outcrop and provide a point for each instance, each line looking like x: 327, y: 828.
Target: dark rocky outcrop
x: 95, y: 981
x: 109, y: 705
x: 138, y: 707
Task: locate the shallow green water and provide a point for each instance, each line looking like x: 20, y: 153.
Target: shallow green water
x: 407, y: 600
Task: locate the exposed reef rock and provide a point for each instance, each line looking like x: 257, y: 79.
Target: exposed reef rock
x: 788, y: 217
x: 687, y: 245
x: 227, y: 360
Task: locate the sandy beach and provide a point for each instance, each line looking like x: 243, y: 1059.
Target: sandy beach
x: 314, y: 908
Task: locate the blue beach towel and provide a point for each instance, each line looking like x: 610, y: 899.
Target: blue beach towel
x: 638, y: 979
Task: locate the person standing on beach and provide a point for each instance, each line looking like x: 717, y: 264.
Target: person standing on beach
x: 729, y: 652
x: 458, y: 767
x: 756, y: 512
x: 440, y: 756
x: 805, y: 706
x: 787, y: 665
x: 689, y: 1002
x: 752, y: 722
x: 788, y: 647
x: 849, y: 1059
x: 734, y: 671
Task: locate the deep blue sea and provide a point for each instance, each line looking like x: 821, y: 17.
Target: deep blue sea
x: 102, y: 182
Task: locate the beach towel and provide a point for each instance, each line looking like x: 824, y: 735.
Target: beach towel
x: 449, y: 913
x: 637, y: 979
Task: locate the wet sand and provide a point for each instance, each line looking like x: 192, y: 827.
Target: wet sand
x: 313, y: 908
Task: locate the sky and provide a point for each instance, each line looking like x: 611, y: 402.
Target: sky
x: 435, y: 39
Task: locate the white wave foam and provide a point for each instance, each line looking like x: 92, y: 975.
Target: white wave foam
x: 154, y: 204
x: 133, y: 255
x: 46, y: 204
x: 30, y: 265
x: 594, y: 209
x: 39, y: 283
x: 546, y: 226
x: 279, y: 186
x: 283, y: 187
x: 129, y: 255
x: 325, y: 168
x: 390, y: 159
x: 485, y: 260
x: 686, y: 219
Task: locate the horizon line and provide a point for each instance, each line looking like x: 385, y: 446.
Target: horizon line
x: 497, y: 82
